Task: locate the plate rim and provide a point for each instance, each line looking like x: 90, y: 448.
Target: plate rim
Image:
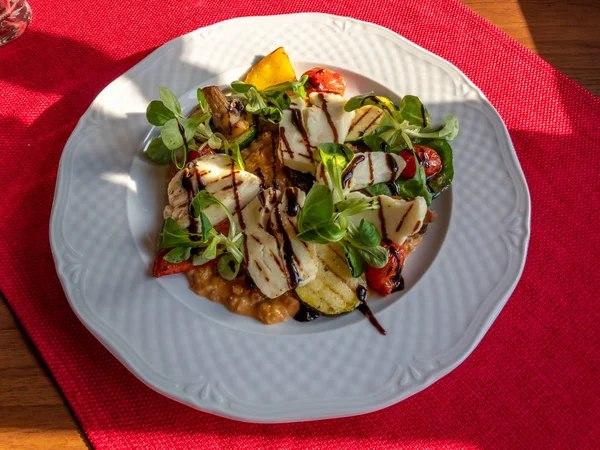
x: 129, y: 362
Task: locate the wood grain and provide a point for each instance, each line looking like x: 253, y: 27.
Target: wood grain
x: 33, y: 413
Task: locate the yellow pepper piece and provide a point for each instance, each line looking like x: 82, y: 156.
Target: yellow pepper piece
x: 273, y: 69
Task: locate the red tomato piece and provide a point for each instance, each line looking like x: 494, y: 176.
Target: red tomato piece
x: 411, y: 166
x: 321, y: 79
x: 193, y: 154
x: 162, y: 267
x: 388, y: 279
x: 430, y: 160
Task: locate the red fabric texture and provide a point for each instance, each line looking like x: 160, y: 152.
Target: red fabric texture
x: 533, y: 382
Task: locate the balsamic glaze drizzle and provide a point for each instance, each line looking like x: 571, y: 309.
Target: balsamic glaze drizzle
x: 361, y: 293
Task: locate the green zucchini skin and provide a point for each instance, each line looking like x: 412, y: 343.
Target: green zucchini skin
x: 246, y: 138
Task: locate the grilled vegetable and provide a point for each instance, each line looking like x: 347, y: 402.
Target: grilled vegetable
x: 428, y: 157
x: 365, y: 122
x: 229, y: 117
x: 333, y: 291
x: 273, y: 69
x: 321, y: 79
x: 162, y: 267
x: 245, y: 139
x: 388, y: 279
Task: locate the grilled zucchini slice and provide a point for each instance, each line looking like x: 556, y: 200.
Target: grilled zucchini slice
x: 365, y: 122
x: 246, y: 138
x: 333, y: 291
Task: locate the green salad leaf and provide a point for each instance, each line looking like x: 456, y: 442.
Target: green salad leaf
x: 207, y: 245
x: 271, y: 101
x: 171, y: 135
x: 178, y: 255
x: 413, y: 111
x: 322, y: 222
x: 177, y: 132
x: 415, y: 186
x: 169, y: 100
x: 174, y: 236
x: 335, y: 157
x: 158, y: 114
x: 443, y: 179
x: 158, y: 152
x: 202, y: 102
x: 369, y: 99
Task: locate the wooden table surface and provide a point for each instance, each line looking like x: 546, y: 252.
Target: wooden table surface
x: 33, y: 413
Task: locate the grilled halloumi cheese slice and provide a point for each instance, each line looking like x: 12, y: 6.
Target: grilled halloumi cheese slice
x: 366, y: 169
x: 217, y: 174
x: 276, y: 259
x: 326, y: 119
x: 300, y: 256
x: 395, y: 219
x: 295, y: 150
x: 264, y: 263
x: 303, y: 127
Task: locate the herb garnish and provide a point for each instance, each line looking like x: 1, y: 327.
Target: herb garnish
x: 401, y: 128
x: 177, y: 132
x: 322, y: 222
x: 271, y: 101
x: 209, y: 242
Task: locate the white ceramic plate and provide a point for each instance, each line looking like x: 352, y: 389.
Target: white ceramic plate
x: 107, y: 211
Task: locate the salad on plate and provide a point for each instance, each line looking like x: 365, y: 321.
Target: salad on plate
x: 288, y: 200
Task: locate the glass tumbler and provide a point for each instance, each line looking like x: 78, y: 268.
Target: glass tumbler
x: 15, y: 15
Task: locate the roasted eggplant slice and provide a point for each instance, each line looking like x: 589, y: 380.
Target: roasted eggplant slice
x: 229, y: 118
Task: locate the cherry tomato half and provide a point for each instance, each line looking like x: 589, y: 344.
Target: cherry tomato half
x: 428, y: 157
x: 388, y: 279
x: 321, y: 79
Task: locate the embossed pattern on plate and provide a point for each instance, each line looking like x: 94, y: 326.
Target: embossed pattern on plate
x: 262, y: 377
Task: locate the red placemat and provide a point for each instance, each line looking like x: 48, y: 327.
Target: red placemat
x: 533, y: 382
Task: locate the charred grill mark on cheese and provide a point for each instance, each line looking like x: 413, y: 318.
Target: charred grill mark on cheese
x: 382, y: 220
x: 236, y: 197
x: 286, y: 144
x: 392, y: 165
x: 297, y: 121
x: 349, y: 170
x: 404, y: 217
x: 417, y: 225
x: 361, y: 293
x: 328, y: 117
x: 231, y: 186
x: 371, y: 175
x: 277, y: 261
